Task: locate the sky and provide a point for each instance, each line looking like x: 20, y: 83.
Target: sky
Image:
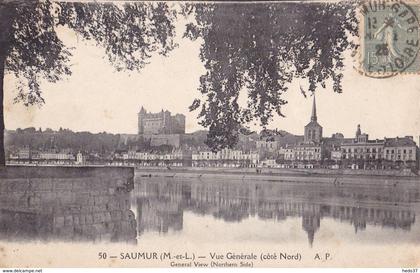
x: 96, y: 98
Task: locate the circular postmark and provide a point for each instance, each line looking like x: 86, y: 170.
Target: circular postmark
x: 389, y: 32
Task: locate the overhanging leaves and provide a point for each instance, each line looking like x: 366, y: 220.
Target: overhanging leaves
x: 258, y: 49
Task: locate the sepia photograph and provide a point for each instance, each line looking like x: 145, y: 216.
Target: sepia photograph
x: 209, y: 134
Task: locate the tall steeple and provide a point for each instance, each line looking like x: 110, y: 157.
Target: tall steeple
x: 313, y: 116
x: 313, y: 131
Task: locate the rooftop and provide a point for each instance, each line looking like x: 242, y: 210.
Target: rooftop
x: 399, y: 141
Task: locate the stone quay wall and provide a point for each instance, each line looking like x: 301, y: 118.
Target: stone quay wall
x: 68, y: 203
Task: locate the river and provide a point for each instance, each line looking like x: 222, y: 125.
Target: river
x: 172, y: 211
x: 169, y: 211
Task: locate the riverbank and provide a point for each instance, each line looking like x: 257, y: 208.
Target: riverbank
x: 277, y: 175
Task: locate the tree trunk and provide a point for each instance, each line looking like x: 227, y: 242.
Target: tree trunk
x: 2, y: 154
x: 6, y: 19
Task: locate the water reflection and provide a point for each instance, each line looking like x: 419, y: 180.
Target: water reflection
x: 160, y: 204
x: 93, y: 208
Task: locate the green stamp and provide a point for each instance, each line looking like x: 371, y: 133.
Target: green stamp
x: 390, y: 38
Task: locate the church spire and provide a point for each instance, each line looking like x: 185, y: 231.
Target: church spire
x: 313, y: 116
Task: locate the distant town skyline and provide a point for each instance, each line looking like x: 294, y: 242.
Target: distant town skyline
x: 96, y: 98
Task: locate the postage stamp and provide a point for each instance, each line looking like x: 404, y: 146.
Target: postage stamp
x: 389, y: 31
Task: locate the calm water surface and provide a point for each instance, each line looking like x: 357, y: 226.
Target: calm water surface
x: 175, y: 211
x: 170, y: 211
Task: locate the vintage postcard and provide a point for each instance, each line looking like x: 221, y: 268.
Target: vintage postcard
x: 209, y: 134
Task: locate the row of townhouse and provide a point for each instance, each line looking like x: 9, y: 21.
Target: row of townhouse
x: 225, y: 158
x: 395, y: 149
x: 177, y: 157
x: 135, y: 155
x: 302, y: 152
x: 61, y: 157
x: 314, y: 150
x: 358, y: 152
x: 380, y: 153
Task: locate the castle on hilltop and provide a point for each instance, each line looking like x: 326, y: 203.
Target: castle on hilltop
x: 161, y: 123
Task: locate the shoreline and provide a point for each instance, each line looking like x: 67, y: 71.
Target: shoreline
x: 281, y: 175
x: 406, y: 173
x: 334, y: 177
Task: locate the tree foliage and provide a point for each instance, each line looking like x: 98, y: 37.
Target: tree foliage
x: 257, y: 49
x: 34, y: 50
x: 102, y: 143
x: 130, y: 33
